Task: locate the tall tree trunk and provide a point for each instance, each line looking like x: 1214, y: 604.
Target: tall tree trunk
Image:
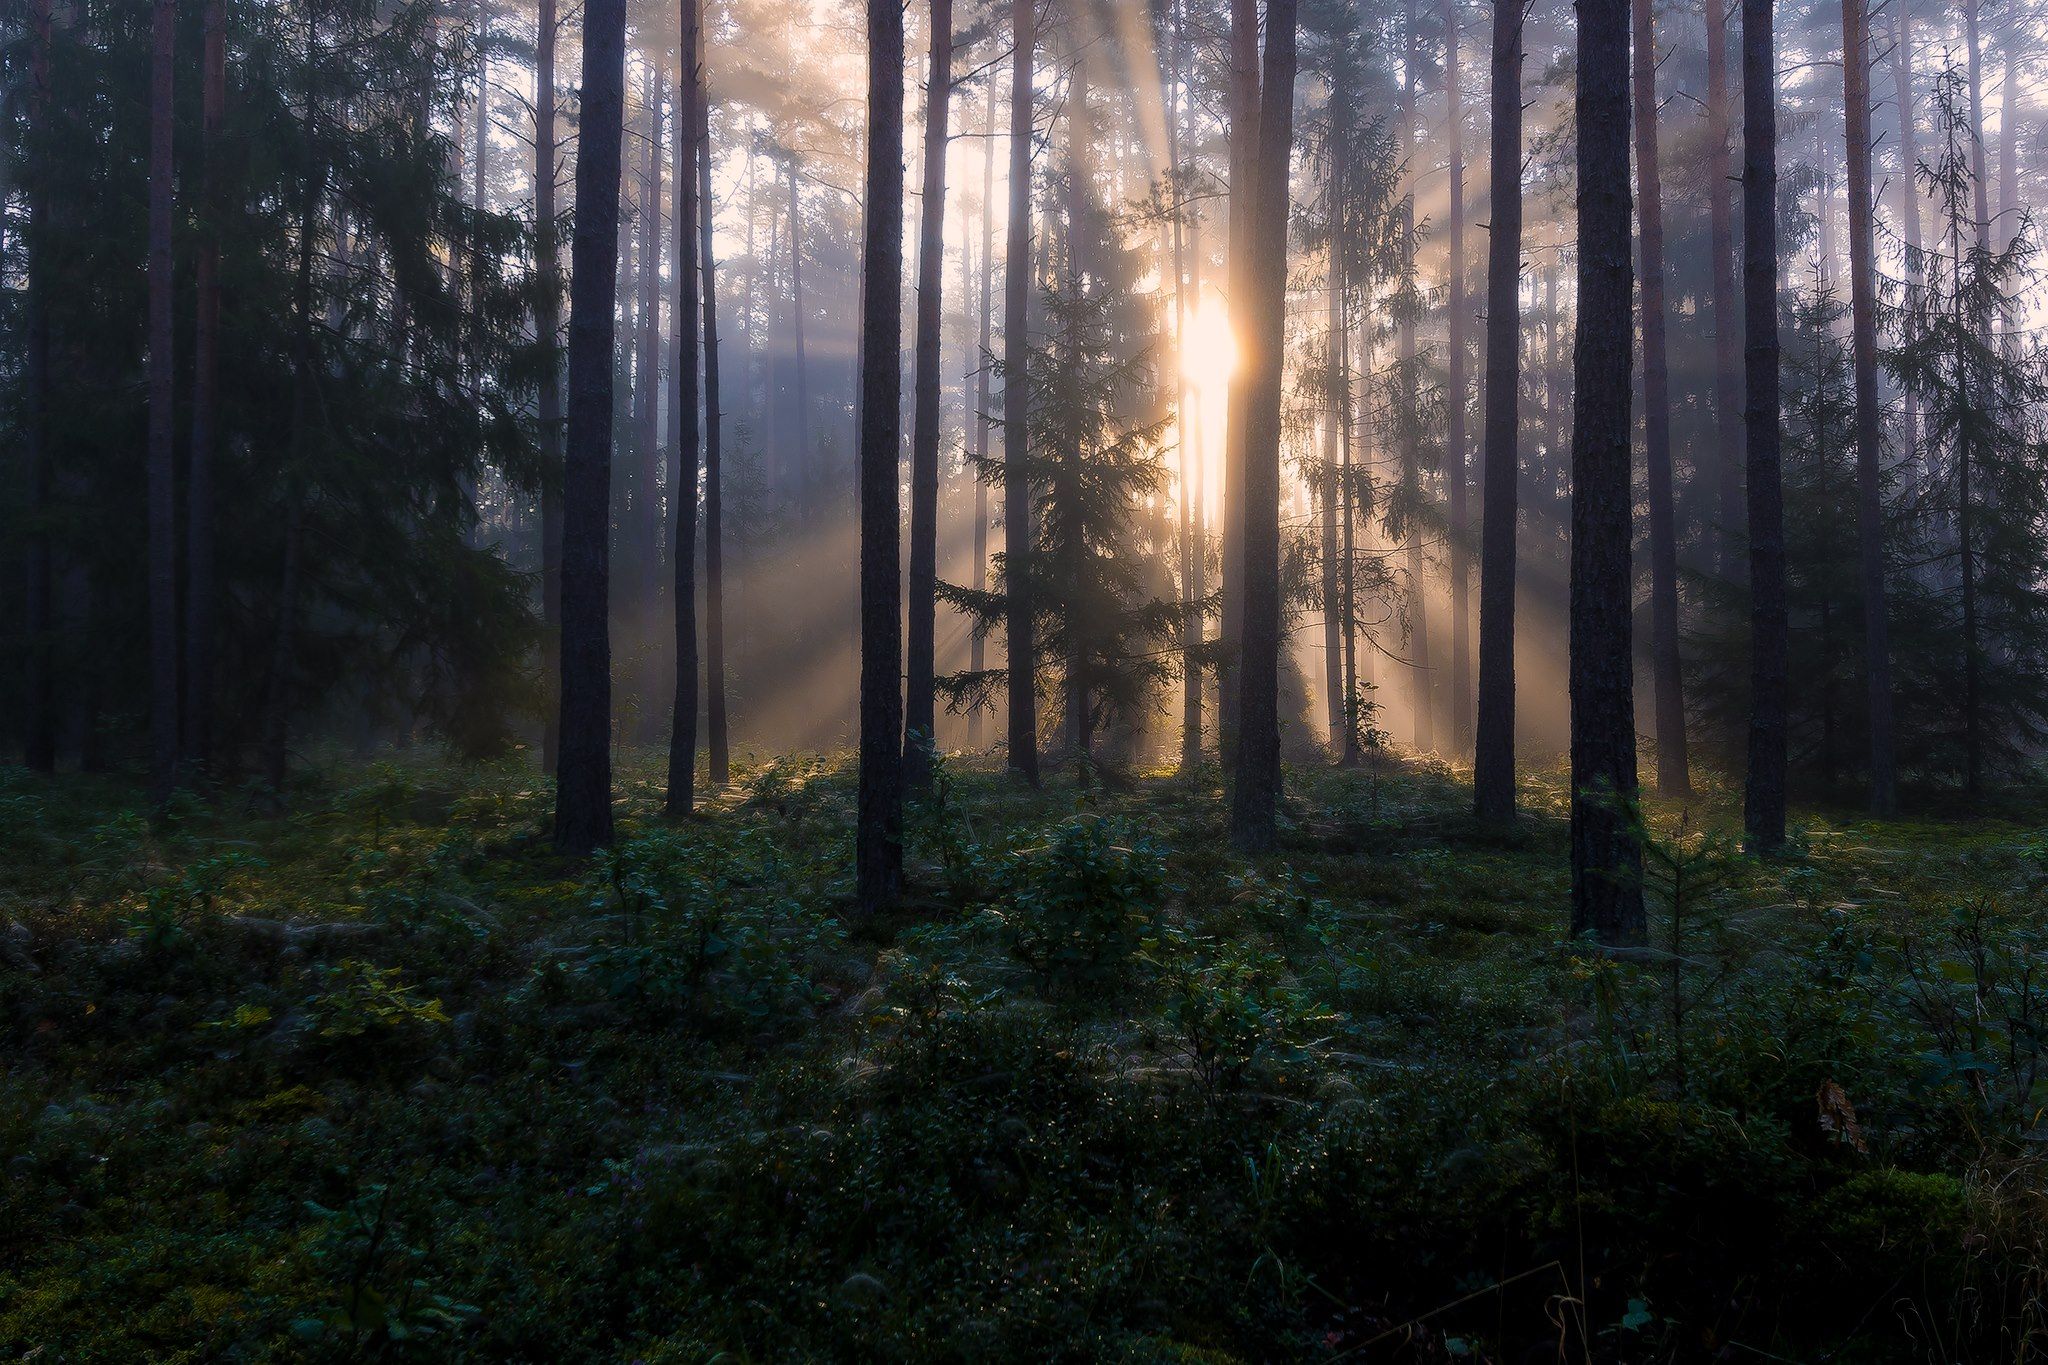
x: 1421, y: 688
x: 1255, y: 797
x: 547, y: 324
x: 920, y: 709
x: 1455, y: 483
x: 39, y: 722
x: 1980, y: 177
x: 1493, y: 755
x: 878, y: 843
x: 647, y: 508
x: 163, y: 528
x: 805, y: 459
x: 684, y: 432
x: 1335, y: 400
x: 2008, y: 133
x: 1763, y: 811
x: 1909, y: 202
x: 1354, y: 695
x: 205, y: 399
x: 1721, y: 294
x: 1189, y: 454
x: 1019, y: 626
x: 1877, y: 661
x: 1239, y: 268
x: 583, y: 783
x: 1607, y: 897
x: 1065, y: 492
x: 983, y: 364
x: 1673, y: 777
x: 716, y: 725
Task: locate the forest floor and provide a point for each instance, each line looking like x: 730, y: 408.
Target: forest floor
x: 387, y: 1079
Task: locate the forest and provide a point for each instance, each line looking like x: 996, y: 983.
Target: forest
x: 1054, y: 680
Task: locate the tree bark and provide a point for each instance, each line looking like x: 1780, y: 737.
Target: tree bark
x: 983, y: 363
x: 1255, y: 797
x: 920, y: 708
x: 1909, y: 202
x: 583, y: 796
x: 647, y: 509
x: 1763, y: 811
x: 1607, y: 898
x: 878, y: 843
x: 1239, y: 270
x: 39, y: 722
x: 1421, y: 689
x: 1493, y: 755
x: 1877, y: 661
x: 1455, y: 483
x: 716, y: 723
x: 163, y: 529
x: 1019, y: 631
x: 1673, y: 777
x: 199, y: 589
x: 547, y: 324
x: 1721, y: 294
x: 685, y: 435
x: 1334, y: 401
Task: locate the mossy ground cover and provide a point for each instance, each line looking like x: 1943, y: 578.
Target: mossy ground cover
x: 386, y: 1079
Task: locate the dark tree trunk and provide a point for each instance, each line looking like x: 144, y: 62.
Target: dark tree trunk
x: 1980, y: 170
x: 1673, y: 778
x: 39, y: 722
x: 1255, y: 797
x: 163, y: 527
x: 1455, y: 483
x: 547, y: 324
x: 919, y: 717
x: 716, y: 726
x: 878, y: 843
x: 1607, y: 897
x: 805, y: 466
x: 199, y: 590
x: 1493, y: 755
x: 684, y: 432
x: 583, y: 785
x: 1763, y: 813
x: 1239, y: 270
x: 1019, y: 633
x: 1877, y: 659
x: 647, y: 508
x: 1190, y: 454
x: 1721, y: 295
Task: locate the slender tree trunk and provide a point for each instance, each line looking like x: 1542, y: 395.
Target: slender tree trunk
x: 1421, y: 690
x: 1255, y: 797
x: 1877, y: 662
x: 583, y: 785
x: 1455, y: 482
x: 163, y: 529
x: 1764, y: 791
x: 2009, y: 133
x: 920, y: 709
x: 717, y: 727
x: 1347, y: 484
x: 205, y: 400
x: 685, y: 435
x: 1189, y: 455
x: 39, y: 723
x: 547, y: 324
x: 806, y: 465
x: 1721, y: 294
x: 1065, y: 493
x: 647, y: 508
x: 1239, y: 267
x: 1019, y: 627
x: 983, y: 364
x: 1493, y: 756
x: 1334, y: 402
x: 1980, y: 170
x: 1673, y: 777
x: 878, y: 845
x: 1909, y: 201
x: 1970, y: 380
x: 1607, y: 898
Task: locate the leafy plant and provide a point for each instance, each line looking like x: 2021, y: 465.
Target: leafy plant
x: 1077, y: 906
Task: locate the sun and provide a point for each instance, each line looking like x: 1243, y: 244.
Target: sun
x: 1208, y: 354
